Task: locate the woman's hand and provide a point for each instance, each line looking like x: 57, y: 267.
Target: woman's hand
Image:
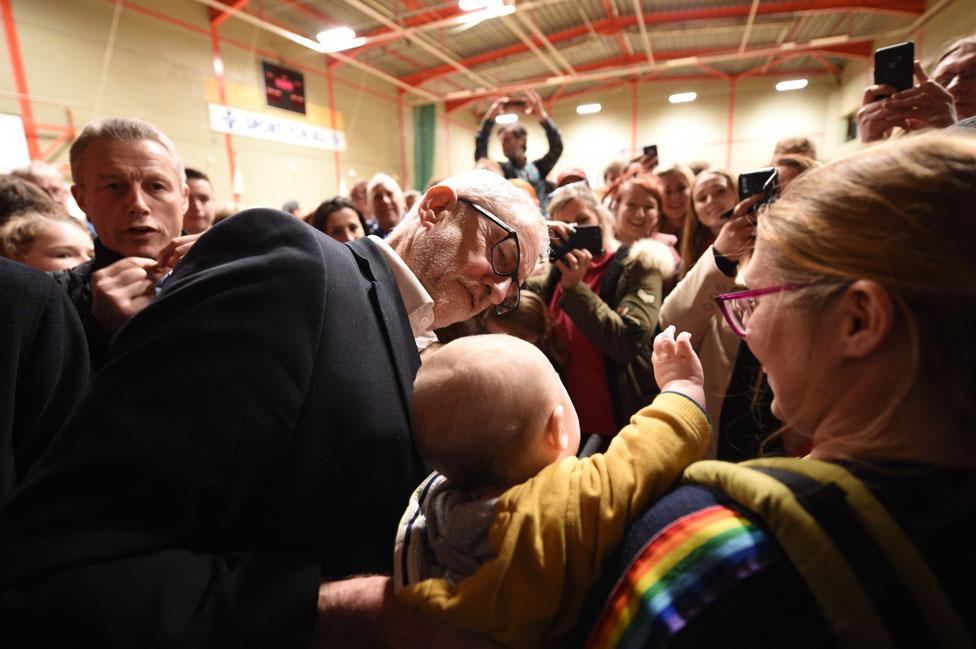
x: 559, y: 231
x: 738, y: 235
x: 573, y: 267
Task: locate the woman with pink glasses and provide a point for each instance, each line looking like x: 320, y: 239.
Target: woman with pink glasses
x: 861, y: 306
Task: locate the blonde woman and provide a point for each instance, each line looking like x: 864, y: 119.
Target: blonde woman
x: 861, y: 303
x: 675, y: 182
x: 605, y: 312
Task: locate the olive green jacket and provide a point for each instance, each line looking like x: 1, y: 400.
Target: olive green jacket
x: 621, y: 320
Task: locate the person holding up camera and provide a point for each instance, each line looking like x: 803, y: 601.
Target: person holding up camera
x: 514, y: 139
x: 939, y: 101
x: 604, y: 298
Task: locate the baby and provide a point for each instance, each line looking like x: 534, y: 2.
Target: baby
x: 511, y: 530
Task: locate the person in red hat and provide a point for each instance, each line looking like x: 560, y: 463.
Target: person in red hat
x: 571, y: 175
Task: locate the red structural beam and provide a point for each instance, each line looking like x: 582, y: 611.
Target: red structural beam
x: 612, y: 26
x: 218, y: 68
x: 218, y: 17
x: 247, y: 47
x: 20, y: 80
x: 846, y: 50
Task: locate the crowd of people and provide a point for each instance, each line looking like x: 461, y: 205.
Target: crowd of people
x: 517, y: 408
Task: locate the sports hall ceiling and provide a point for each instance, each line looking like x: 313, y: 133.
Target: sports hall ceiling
x: 433, y: 50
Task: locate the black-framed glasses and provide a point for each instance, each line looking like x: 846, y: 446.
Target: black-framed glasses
x: 505, y: 257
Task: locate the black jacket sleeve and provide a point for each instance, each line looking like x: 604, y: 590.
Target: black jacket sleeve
x: 44, y: 364
x: 481, y: 140
x: 548, y: 161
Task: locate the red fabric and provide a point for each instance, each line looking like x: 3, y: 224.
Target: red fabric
x: 585, y: 375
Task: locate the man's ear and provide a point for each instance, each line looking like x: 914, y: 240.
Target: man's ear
x: 76, y: 192
x: 436, y: 203
x: 186, y: 197
x: 556, y: 435
x: 868, y: 317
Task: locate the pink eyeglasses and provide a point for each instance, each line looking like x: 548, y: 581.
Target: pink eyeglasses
x: 737, y: 307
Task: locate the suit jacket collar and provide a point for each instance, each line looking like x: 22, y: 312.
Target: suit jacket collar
x: 393, y: 315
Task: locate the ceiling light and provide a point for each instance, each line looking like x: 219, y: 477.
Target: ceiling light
x: 507, y: 118
x: 792, y: 84
x: 473, y: 5
x: 683, y: 97
x: 338, y: 39
x: 588, y: 109
x: 490, y: 9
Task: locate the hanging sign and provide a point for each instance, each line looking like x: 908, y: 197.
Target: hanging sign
x: 246, y: 123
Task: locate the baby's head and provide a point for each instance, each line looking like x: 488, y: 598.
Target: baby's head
x: 490, y: 411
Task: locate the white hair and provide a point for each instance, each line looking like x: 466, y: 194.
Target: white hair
x: 501, y: 198
x: 385, y: 180
x: 121, y: 129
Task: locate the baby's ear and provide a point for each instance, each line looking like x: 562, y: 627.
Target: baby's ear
x: 557, y: 435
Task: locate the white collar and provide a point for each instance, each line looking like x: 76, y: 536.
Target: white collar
x: 416, y: 300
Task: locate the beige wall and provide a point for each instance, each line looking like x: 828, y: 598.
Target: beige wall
x: 693, y: 131
x: 956, y: 20
x: 160, y: 71
x: 685, y: 132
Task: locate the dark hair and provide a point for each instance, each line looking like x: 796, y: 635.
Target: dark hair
x: 195, y: 174
x: 516, y: 129
x: 320, y: 217
x: 18, y: 195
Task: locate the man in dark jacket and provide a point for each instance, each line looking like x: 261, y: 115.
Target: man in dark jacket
x: 514, y: 141
x: 248, y: 447
x: 132, y: 186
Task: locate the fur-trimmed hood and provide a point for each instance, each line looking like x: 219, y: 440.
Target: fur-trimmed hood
x: 654, y: 255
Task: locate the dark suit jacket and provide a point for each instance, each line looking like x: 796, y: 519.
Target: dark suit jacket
x: 247, y: 439
x: 43, y: 367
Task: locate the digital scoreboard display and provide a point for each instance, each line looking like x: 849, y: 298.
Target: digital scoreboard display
x: 284, y: 88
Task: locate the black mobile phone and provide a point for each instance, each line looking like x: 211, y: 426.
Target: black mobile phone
x: 763, y: 181
x: 650, y: 149
x: 516, y: 104
x: 895, y: 65
x: 585, y: 237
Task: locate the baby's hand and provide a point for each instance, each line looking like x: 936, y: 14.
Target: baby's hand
x: 676, y: 365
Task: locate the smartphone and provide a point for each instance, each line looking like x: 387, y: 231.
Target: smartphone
x: 763, y: 181
x: 585, y: 237
x: 895, y: 65
x: 516, y: 104
x: 650, y: 149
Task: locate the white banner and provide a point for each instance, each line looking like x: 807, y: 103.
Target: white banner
x: 13, y: 153
x: 246, y: 123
